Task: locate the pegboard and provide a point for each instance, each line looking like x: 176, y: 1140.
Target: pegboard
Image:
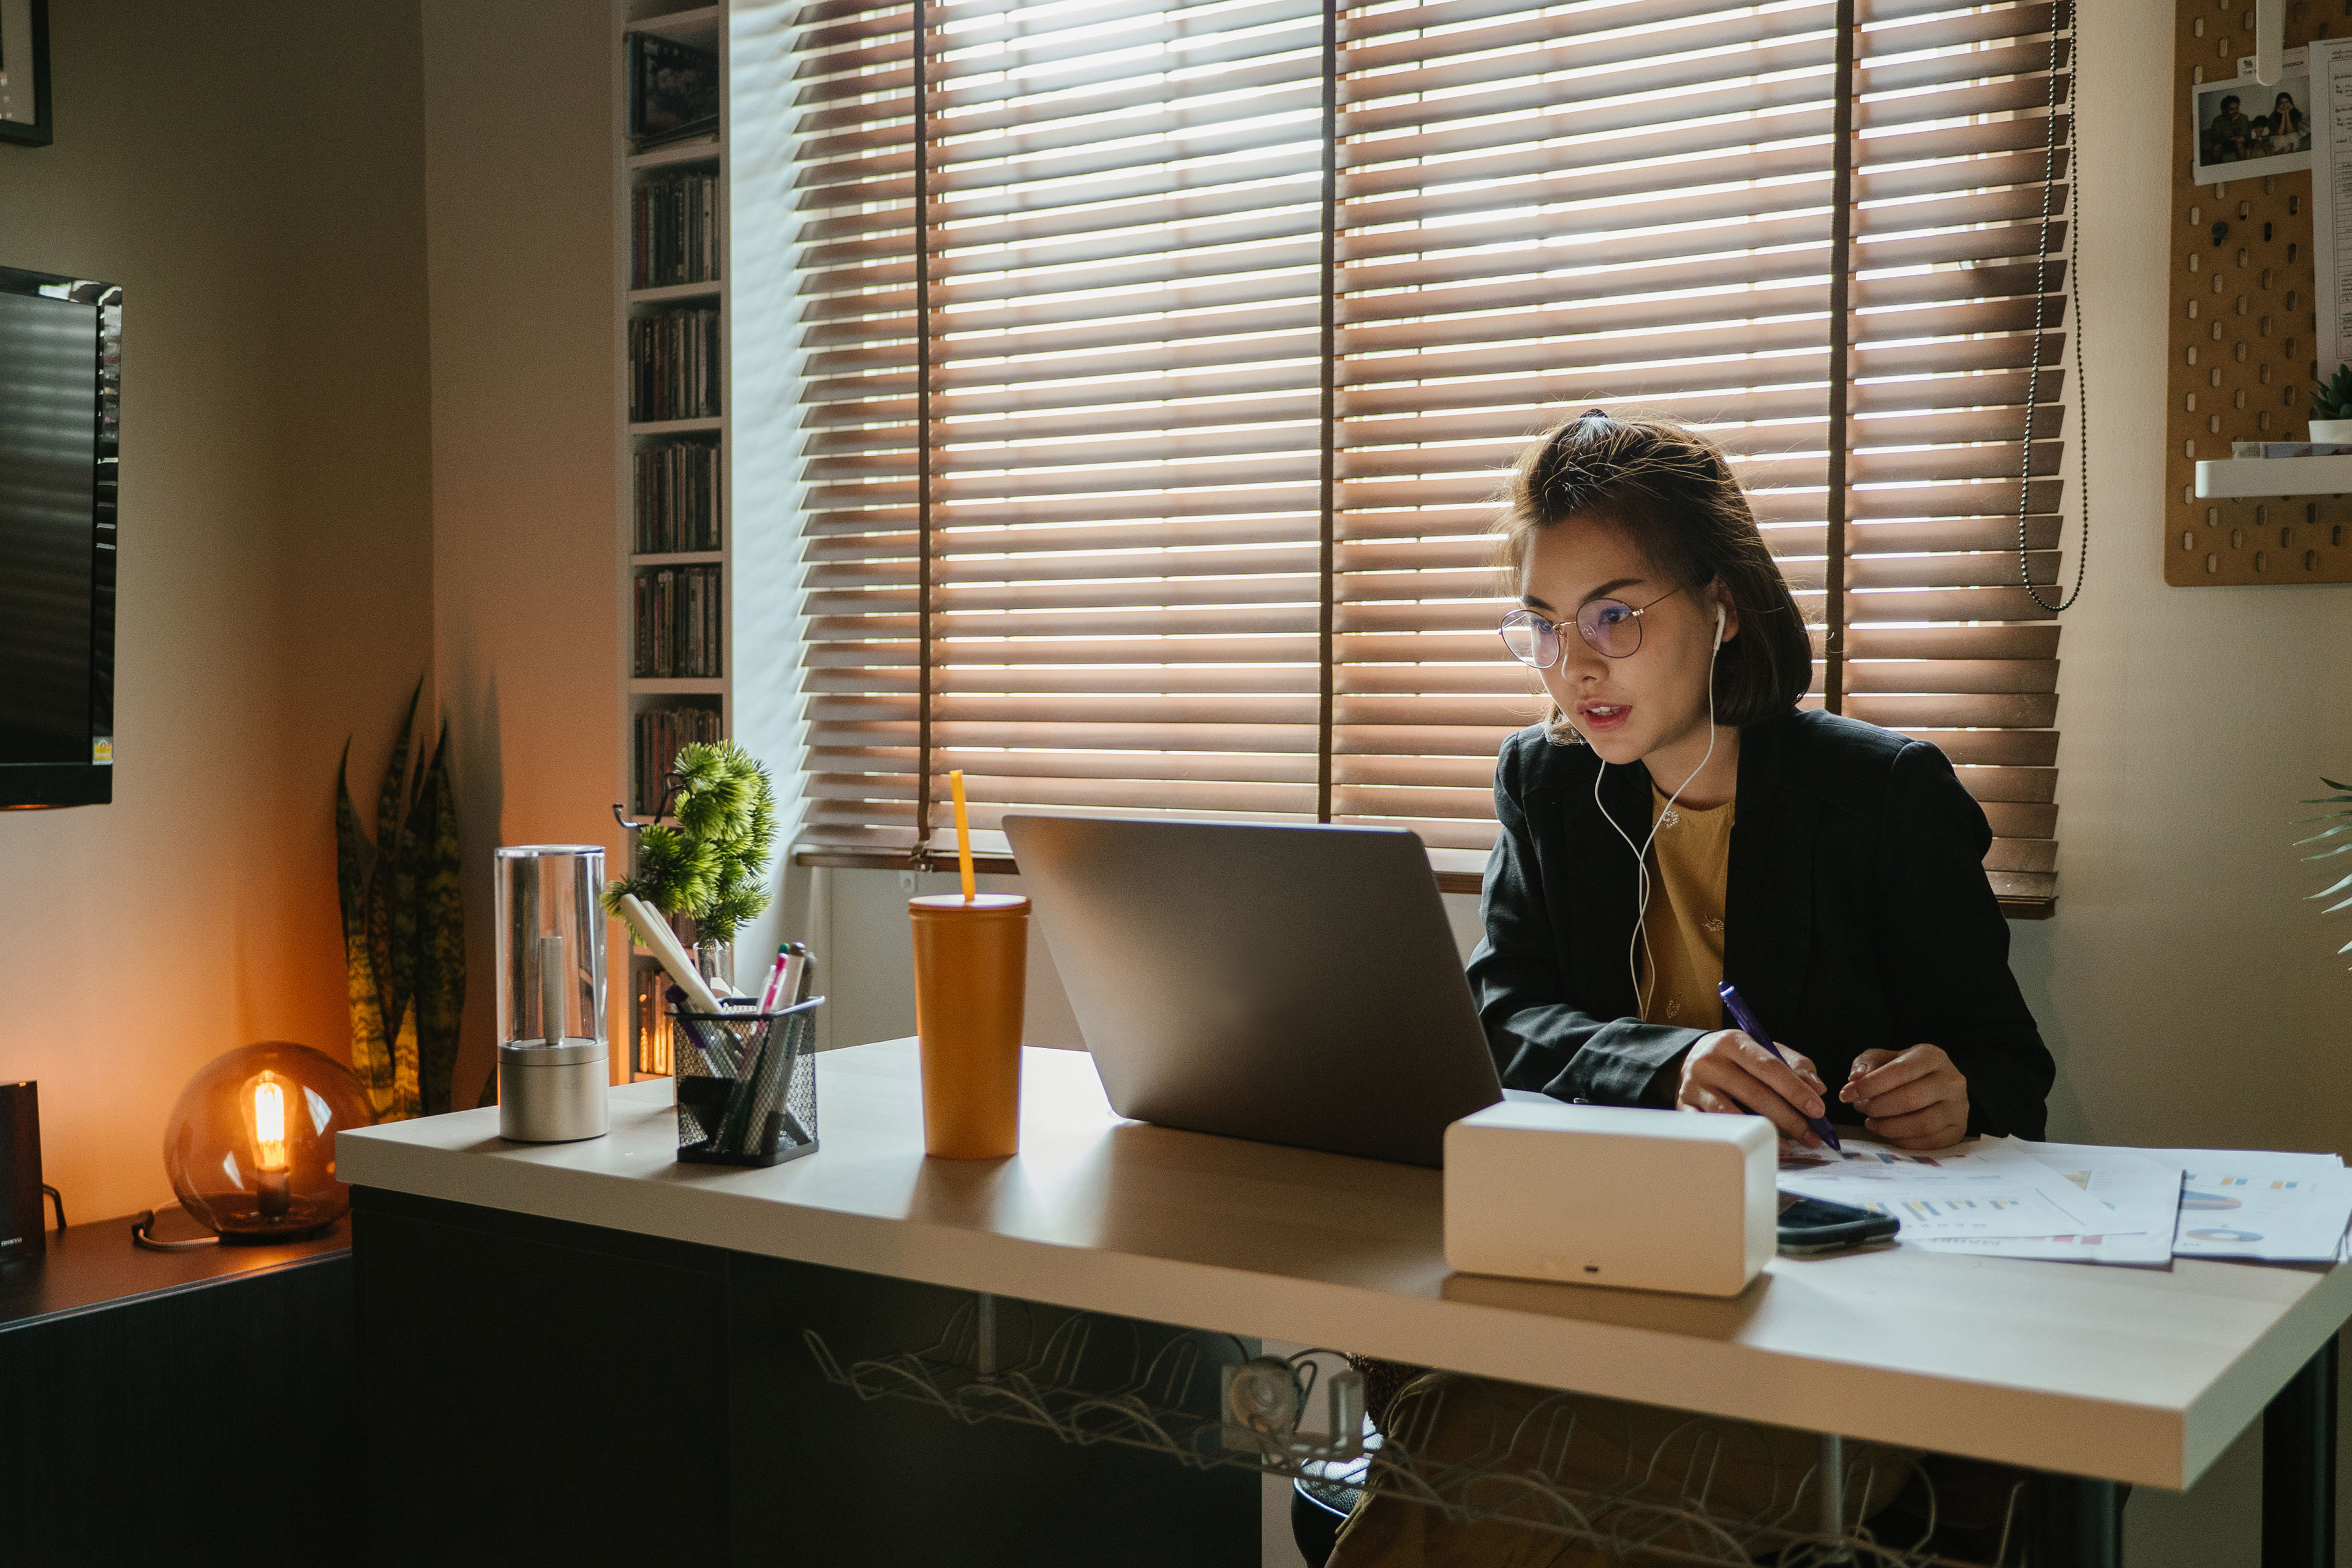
x: 2243, y: 343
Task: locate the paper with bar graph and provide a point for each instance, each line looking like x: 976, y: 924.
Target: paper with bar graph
x: 1984, y: 1188
x: 2135, y: 1196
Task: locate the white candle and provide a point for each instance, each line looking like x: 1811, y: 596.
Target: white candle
x: 551, y: 988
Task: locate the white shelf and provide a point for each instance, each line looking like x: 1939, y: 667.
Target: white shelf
x: 703, y: 27
x: 693, y: 150
x: 712, y: 289
x: 698, y: 26
x: 2231, y: 477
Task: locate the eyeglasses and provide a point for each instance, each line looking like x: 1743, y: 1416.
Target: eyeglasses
x: 1610, y: 627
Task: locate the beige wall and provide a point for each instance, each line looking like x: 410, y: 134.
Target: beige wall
x: 519, y: 130
x: 253, y: 176
x: 2185, y: 986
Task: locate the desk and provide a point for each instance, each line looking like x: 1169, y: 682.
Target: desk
x: 2108, y: 1375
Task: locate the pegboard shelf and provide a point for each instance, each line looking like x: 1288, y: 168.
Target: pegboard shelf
x: 2243, y: 477
x: 2241, y: 345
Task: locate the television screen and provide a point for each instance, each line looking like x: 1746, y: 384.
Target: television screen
x: 59, y: 383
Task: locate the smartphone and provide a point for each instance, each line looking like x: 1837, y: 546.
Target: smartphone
x: 1815, y: 1225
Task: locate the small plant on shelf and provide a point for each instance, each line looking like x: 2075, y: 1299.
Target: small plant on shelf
x: 2331, y: 400
x: 712, y: 865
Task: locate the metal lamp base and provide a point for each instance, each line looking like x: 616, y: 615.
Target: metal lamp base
x: 553, y: 1094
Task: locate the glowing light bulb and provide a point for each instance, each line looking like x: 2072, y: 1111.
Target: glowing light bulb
x: 272, y: 1181
x: 268, y: 1126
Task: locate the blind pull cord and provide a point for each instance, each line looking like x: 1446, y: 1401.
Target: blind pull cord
x: 2033, y: 363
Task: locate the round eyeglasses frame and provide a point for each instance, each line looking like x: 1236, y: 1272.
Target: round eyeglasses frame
x: 1603, y: 624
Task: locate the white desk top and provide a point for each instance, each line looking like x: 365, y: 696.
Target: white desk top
x: 2140, y: 1376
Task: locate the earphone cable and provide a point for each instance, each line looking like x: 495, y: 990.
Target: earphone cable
x: 1642, y: 854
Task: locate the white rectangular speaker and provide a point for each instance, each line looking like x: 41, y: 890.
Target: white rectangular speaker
x: 1597, y: 1194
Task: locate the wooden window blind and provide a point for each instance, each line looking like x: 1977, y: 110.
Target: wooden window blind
x: 1158, y: 374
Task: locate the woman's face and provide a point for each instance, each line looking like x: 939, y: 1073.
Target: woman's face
x: 1627, y: 707
x: 2285, y: 105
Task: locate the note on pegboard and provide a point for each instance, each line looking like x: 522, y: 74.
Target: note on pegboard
x: 2242, y: 341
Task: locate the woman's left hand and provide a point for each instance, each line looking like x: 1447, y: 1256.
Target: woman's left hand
x: 1914, y: 1099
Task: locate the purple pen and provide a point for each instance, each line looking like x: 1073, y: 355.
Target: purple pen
x: 1755, y: 1031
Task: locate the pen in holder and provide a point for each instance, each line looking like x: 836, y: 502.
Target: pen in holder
x: 746, y: 1084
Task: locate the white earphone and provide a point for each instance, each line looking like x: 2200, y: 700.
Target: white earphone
x: 1642, y: 854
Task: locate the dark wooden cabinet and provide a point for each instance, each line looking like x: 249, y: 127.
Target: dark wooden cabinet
x: 175, y: 1410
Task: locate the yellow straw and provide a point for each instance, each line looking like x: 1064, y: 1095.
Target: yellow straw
x: 964, y: 831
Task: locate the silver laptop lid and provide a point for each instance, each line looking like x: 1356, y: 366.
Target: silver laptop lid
x: 1295, y: 984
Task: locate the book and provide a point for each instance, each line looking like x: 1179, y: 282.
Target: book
x: 660, y: 733
x: 673, y: 90
x: 674, y: 364
x: 676, y: 626
x: 675, y: 492
x: 673, y: 230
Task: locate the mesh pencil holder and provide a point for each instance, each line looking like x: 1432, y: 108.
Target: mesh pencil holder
x: 746, y: 1085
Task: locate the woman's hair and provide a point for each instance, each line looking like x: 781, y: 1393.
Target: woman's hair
x: 1670, y: 491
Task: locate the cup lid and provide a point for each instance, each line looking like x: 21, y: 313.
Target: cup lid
x: 979, y: 903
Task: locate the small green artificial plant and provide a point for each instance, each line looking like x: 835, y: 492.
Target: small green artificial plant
x: 2342, y: 801
x: 713, y: 864
x: 404, y: 930
x: 2332, y: 398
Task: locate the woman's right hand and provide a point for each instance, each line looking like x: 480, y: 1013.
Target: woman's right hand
x: 1729, y: 1073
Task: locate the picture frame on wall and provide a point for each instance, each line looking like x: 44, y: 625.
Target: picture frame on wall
x: 25, y: 72
x: 2240, y: 129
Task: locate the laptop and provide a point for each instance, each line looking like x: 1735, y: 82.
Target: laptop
x: 1293, y: 984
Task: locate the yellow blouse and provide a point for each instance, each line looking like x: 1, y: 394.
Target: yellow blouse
x: 1682, y: 933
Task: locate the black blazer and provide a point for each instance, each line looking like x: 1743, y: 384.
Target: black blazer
x: 1857, y: 914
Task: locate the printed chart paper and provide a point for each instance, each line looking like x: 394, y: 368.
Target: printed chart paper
x: 2331, y: 201
x: 1984, y: 1188
x: 2138, y: 1196
x: 2274, y: 1208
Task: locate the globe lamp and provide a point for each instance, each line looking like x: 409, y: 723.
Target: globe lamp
x: 250, y: 1148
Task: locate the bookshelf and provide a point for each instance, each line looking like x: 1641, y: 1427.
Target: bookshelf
x: 675, y: 530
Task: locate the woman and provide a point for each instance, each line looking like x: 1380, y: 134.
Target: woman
x: 1831, y: 870
x: 2286, y: 128
x: 1675, y: 822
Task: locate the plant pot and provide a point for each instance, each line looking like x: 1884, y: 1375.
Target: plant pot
x: 2333, y: 430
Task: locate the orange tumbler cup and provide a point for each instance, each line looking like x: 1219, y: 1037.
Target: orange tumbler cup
x: 970, y: 969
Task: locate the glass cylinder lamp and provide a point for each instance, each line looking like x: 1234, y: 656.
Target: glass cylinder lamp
x: 553, y: 1057
x: 250, y: 1148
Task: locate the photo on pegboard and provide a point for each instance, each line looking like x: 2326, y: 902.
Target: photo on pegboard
x: 2242, y: 128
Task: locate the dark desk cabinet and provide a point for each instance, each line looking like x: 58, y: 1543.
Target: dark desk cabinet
x: 175, y: 1410
x: 540, y: 1391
